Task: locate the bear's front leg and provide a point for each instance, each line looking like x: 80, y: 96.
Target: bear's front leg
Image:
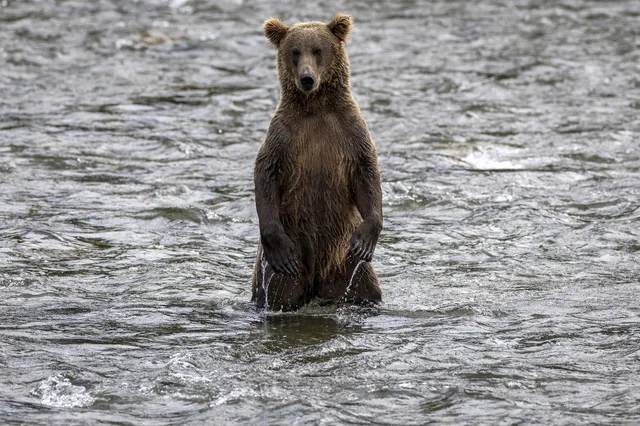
x: 278, y: 248
x: 367, y: 196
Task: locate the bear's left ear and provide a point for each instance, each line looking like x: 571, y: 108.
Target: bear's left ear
x: 275, y: 30
x: 340, y: 26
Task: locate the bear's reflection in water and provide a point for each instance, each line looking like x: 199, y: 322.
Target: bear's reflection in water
x: 286, y: 331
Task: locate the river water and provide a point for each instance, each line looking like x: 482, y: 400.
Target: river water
x: 508, y: 136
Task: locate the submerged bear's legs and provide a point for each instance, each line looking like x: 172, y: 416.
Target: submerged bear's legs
x: 362, y: 284
x: 280, y: 292
x: 355, y: 283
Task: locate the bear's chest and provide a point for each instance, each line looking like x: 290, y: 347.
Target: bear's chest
x: 322, y: 155
x: 322, y: 165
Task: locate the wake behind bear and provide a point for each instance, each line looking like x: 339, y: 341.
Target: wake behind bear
x: 316, y: 176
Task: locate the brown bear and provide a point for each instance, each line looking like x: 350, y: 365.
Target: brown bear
x: 316, y: 176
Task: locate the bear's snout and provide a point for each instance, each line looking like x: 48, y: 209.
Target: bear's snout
x: 307, y: 81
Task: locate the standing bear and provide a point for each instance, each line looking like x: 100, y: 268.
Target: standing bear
x: 317, y: 181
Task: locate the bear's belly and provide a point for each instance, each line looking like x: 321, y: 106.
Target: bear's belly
x: 316, y: 203
x: 318, y: 209
x: 320, y: 199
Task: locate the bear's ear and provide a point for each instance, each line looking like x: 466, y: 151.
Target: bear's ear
x: 275, y: 30
x: 340, y: 26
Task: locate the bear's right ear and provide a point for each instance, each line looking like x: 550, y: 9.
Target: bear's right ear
x: 275, y: 30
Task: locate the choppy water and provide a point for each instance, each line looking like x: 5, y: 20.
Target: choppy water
x: 508, y: 135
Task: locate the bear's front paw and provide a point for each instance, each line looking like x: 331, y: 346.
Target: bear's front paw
x: 363, y: 241
x: 280, y: 253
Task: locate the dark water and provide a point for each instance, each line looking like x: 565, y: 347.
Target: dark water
x: 508, y: 135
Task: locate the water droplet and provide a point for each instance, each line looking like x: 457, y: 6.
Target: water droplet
x: 346, y: 292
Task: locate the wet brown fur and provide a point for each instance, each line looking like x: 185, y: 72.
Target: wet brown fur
x: 316, y: 174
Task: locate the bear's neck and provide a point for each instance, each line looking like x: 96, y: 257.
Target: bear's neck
x: 328, y: 97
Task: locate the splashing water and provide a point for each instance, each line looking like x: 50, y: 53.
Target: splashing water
x: 58, y: 391
x: 265, y: 283
x: 353, y: 274
x: 265, y: 287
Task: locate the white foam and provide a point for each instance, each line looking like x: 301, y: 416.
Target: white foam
x: 58, y: 391
x: 486, y: 160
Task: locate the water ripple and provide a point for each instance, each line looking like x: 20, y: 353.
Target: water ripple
x: 507, y: 135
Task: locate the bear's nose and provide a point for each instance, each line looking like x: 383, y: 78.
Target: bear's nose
x: 307, y: 81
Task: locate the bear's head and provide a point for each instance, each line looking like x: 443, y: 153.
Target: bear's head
x: 311, y: 55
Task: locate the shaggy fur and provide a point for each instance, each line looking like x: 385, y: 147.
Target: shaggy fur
x: 316, y: 177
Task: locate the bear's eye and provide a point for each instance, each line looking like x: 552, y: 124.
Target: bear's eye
x: 295, y: 53
x: 317, y: 52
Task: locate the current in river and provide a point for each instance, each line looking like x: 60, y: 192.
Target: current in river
x: 508, y: 138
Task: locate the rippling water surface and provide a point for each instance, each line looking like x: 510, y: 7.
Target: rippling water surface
x: 508, y: 134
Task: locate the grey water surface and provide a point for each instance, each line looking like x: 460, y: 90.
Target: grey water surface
x: 509, y: 141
